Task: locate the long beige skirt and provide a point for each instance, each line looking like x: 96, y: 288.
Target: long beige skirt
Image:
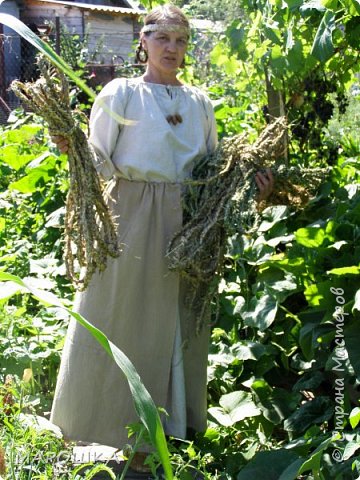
x: 140, y: 305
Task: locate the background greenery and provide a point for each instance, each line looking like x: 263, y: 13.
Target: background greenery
x: 283, y: 388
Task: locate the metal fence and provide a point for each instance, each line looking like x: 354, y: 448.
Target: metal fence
x: 99, y: 56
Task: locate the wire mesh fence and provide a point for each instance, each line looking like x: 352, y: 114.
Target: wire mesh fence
x: 98, y: 57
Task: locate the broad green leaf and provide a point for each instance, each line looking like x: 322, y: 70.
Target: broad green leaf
x: 308, y: 339
x: 247, y: 350
x: 234, y: 407
x: 10, y: 156
x: 313, y: 463
x: 323, y: 47
x: 23, y: 134
x: 143, y: 402
x: 261, y: 312
x: 282, y: 288
x: 30, y: 182
x: 275, y: 403
x: 352, y: 32
x: 295, y: 57
x: 309, y: 381
x: 255, y: 25
x: 293, y: 471
x: 354, y: 417
x: 350, y: 449
x: 292, y: 265
x: 310, y: 237
x: 273, y: 215
x: 236, y: 35
x: 315, y: 294
x: 352, y: 6
x: 294, y: 4
x: 218, y: 54
x: 330, y: 4
x: 316, y: 411
x: 353, y: 270
x: 267, y: 465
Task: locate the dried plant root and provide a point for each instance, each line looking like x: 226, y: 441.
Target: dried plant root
x: 90, y: 233
x: 220, y: 201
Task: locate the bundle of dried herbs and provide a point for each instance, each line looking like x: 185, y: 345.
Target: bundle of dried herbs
x: 220, y: 201
x: 90, y: 233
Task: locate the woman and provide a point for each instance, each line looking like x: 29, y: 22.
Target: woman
x: 137, y: 302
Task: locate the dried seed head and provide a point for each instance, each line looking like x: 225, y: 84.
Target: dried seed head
x: 90, y: 232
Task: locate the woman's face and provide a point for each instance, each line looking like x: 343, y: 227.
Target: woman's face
x: 166, y: 50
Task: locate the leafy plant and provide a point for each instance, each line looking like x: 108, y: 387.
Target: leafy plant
x: 283, y: 363
x: 143, y: 402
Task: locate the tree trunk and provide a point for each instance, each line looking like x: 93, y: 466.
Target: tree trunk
x: 276, y: 108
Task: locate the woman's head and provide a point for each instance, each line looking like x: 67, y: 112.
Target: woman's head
x: 165, y: 24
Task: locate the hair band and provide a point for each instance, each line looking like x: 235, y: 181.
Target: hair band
x: 165, y: 27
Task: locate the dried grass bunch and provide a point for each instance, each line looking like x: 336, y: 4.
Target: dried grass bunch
x: 220, y: 201
x: 90, y: 232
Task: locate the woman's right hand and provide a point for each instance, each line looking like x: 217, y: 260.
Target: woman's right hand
x: 61, y: 142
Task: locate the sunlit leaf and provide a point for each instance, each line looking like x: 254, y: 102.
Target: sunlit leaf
x: 354, y: 417
x: 261, y: 312
x: 353, y: 270
x: 323, y: 47
x: 310, y: 237
x: 234, y: 406
x: 357, y: 301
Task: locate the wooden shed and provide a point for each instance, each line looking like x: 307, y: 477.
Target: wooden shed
x: 111, y: 27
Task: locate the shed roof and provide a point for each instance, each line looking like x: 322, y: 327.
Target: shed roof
x: 96, y: 8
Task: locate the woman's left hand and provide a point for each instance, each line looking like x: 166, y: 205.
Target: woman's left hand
x: 265, y: 183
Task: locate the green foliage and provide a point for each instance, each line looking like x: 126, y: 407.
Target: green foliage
x: 301, y: 55
x: 143, y: 402
x: 285, y: 341
x: 34, y: 185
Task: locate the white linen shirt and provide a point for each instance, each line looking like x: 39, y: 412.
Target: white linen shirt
x: 151, y: 149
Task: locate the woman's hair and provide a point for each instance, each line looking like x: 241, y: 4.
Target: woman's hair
x: 167, y: 14
x: 163, y: 14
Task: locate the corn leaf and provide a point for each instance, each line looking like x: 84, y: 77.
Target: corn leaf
x: 143, y: 402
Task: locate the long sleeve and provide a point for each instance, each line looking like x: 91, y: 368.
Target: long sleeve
x: 104, y: 128
x: 212, y: 136
x: 212, y: 139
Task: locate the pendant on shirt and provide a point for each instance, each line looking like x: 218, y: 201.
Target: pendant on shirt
x: 174, y: 119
